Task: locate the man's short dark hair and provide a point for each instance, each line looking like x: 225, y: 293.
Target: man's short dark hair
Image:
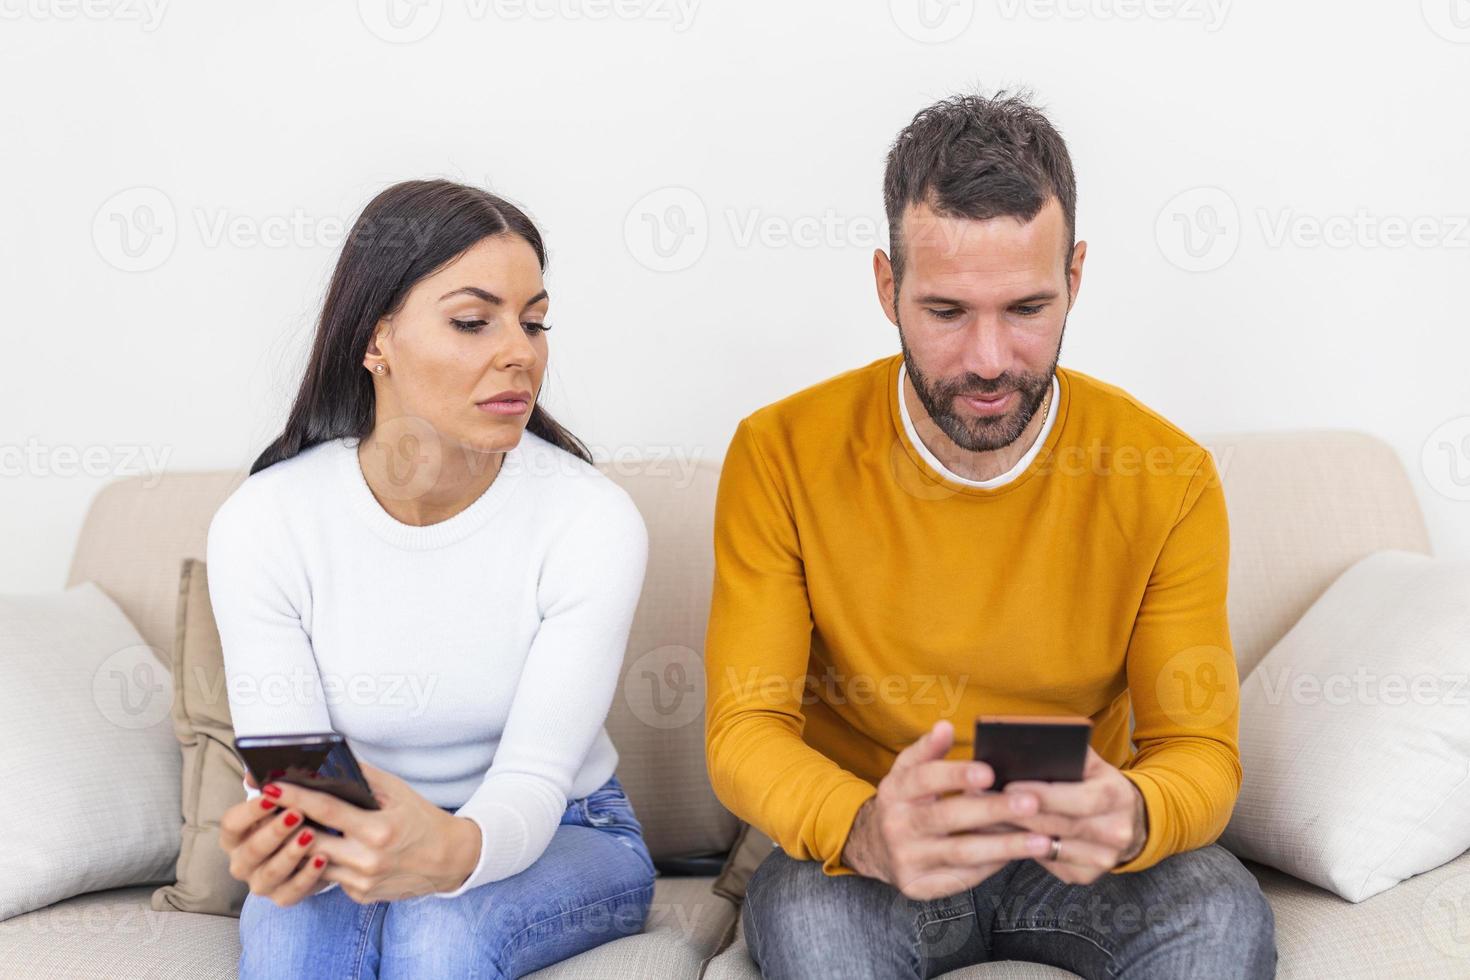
x: 975, y: 157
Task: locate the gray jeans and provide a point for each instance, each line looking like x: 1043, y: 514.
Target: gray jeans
x: 1195, y: 914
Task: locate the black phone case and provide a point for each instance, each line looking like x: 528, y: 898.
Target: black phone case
x: 316, y: 760
x: 1020, y: 750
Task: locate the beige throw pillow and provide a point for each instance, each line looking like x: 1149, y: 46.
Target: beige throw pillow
x: 752, y: 847
x: 212, y: 773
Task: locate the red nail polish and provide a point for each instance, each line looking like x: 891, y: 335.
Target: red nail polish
x: 266, y: 804
x: 292, y: 820
x: 319, y: 861
x: 271, y: 790
x: 304, y: 839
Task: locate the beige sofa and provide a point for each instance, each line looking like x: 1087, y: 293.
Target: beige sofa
x: 1303, y: 506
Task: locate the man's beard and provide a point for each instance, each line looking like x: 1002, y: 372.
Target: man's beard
x: 980, y: 434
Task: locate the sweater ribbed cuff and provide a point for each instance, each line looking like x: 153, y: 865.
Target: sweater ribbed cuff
x: 503, y: 839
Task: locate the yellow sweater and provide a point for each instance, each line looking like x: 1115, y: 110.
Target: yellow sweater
x: 860, y: 596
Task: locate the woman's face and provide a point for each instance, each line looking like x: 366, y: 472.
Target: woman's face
x: 467, y: 351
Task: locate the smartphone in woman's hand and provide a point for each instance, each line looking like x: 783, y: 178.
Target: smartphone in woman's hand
x: 316, y: 760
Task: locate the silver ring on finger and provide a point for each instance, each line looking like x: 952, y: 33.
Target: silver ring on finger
x: 1056, y: 848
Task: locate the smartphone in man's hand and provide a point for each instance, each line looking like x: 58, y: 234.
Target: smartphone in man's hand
x: 1050, y: 748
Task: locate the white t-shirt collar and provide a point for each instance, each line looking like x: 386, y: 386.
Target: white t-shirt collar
x: 995, y: 481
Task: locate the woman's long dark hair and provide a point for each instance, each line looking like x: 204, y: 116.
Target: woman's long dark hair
x: 404, y: 234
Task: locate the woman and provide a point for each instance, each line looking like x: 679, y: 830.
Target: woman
x: 427, y: 563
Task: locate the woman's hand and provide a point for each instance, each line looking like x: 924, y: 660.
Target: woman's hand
x: 409, y: 847
x: 266, y: 850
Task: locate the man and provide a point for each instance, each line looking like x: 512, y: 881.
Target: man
x: 967, y: 529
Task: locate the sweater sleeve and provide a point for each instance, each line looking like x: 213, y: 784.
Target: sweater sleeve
x: 256, y: 588
x: 272, y: 681
x: 756, y: 652
x: 1183, y: 682
x: 588, y: 591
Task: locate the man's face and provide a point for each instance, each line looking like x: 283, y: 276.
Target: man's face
x: 980, y: 316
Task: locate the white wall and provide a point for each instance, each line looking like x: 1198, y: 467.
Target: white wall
x: 278, y: 120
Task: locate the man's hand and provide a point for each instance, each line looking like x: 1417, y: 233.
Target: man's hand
x: 1101, y: 821
x: 928, y: 844
x: 409, y: 847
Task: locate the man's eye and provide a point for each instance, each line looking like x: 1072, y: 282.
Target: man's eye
x: 1029, y: 310
x: 945, y: 314
x: 468, y: 326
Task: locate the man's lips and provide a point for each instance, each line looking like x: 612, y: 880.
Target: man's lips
x: 989, y: 405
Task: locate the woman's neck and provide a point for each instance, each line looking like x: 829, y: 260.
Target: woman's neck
x: 422, y: 480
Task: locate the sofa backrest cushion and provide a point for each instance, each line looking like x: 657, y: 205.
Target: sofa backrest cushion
x: 1303, y: 508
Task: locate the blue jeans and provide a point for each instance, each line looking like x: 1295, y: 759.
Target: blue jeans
x: 593, y: 884
x: 1199, y: 913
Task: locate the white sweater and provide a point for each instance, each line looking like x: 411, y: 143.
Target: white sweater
x: 475, y: 658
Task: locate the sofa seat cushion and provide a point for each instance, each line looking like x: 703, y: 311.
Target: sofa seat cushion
x: 685, y: 926
x: 116, y: 934
x: 1418, y: 928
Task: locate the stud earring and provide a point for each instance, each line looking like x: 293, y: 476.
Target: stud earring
x: 379, y: 368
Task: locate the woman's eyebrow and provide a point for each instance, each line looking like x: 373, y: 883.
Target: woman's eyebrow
x: 489, y: 297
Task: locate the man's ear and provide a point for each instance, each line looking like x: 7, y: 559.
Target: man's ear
x: 883, y: 279
x: 1074, y: 273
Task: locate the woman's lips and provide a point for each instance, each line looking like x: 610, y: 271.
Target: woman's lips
x: 510, y: 406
